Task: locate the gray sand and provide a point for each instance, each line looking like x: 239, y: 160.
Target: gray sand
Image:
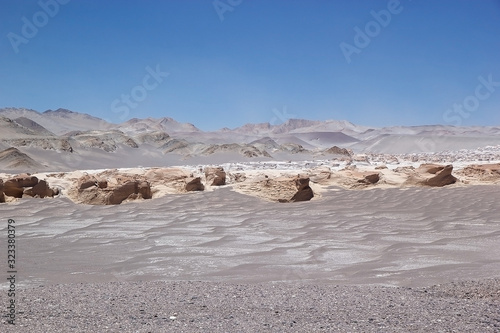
x: 344, y: 263
x: 270, y: 307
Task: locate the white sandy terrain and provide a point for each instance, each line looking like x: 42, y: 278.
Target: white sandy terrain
x: 412, y: 237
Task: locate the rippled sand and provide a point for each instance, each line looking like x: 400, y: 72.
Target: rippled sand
x: 412, y: 237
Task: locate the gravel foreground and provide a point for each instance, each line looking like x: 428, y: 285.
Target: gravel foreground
x: 471, y: 306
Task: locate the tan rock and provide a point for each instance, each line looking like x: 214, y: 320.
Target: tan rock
x: 442, y: 176
x: 431, y: 175
x: 482, y: 173
x: 13, y: 188
x: 320, y: 175
x: 273, y: 189
x: 116, y: 188
x: 371, y: 178
x: 194, y: 184
x: 216, y: 176
x: 122, y: 192
x: 144, y: 189
x: 40, y: 190
x: 26, y: 180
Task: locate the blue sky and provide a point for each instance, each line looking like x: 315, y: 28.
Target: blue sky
x: 225, y: 63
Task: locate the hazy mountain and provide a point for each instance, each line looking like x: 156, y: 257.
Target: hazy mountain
x: 33, y: 125
x: 63, y: 138
x: 59, y: 121
x: 164, y: 124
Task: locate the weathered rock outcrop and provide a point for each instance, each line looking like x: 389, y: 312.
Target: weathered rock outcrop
x: 89, y: 181
x: 41, y: 190
x: 13, y: 188
x: 194, y: 184
x: 95, y: 190
x: 371, y: 178
x: 26, y: 185
x: 215, y: 176
x: 482, y: 173
x: 285, y: 188
x: 320, y: 175
x: 304, y: 191
x: 442, y: 176
x: 129, y: 190
x: 432, y: 175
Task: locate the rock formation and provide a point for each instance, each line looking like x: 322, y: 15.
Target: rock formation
x: 130, y: 190
x: 27, y: 185
x: 482, y: 173
x: 95, y: 190
x: 304, y: 191
x: 432, y: 175
x: 41, y: 190
x: 320, y: 175
x: 215, y: 176
x: 194, y: 184
x: 371, y: 178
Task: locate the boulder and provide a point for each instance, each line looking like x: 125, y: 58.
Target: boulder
x: 27, y: 185
x: 431, y: 175
x: 26, y: 180
x: 442, y: 176
x: 13, y: 188
x: 371, y: 178
x: 194, y: 184
x: 122, y: 192
x: 40, y: 190
x: 215, y: 175
x: 304, y: 191
x: 144, y: 189
x: 90, y: 181
x: 95, y: 190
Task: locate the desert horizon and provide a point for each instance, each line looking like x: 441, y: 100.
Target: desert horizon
x: 249, y: 166
x: 239, y: 215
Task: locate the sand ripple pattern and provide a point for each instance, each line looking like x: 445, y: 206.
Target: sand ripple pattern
x: 413, y: 237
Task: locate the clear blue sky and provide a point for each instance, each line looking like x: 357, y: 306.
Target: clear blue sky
x: 263, y: 55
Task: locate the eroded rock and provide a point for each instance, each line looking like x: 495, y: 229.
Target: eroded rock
x: 371, y: 178
x: 95, y: 190
x: 431, y: 175
x: 304, y: 191
x: 215, y: 176
x: 40, y: 190
x: 25, y: 184
x: 194, y: 184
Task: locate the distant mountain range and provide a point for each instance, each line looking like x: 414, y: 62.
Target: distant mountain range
x: 62, y: 137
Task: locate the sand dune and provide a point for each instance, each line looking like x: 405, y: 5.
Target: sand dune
x: 413, y: 237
